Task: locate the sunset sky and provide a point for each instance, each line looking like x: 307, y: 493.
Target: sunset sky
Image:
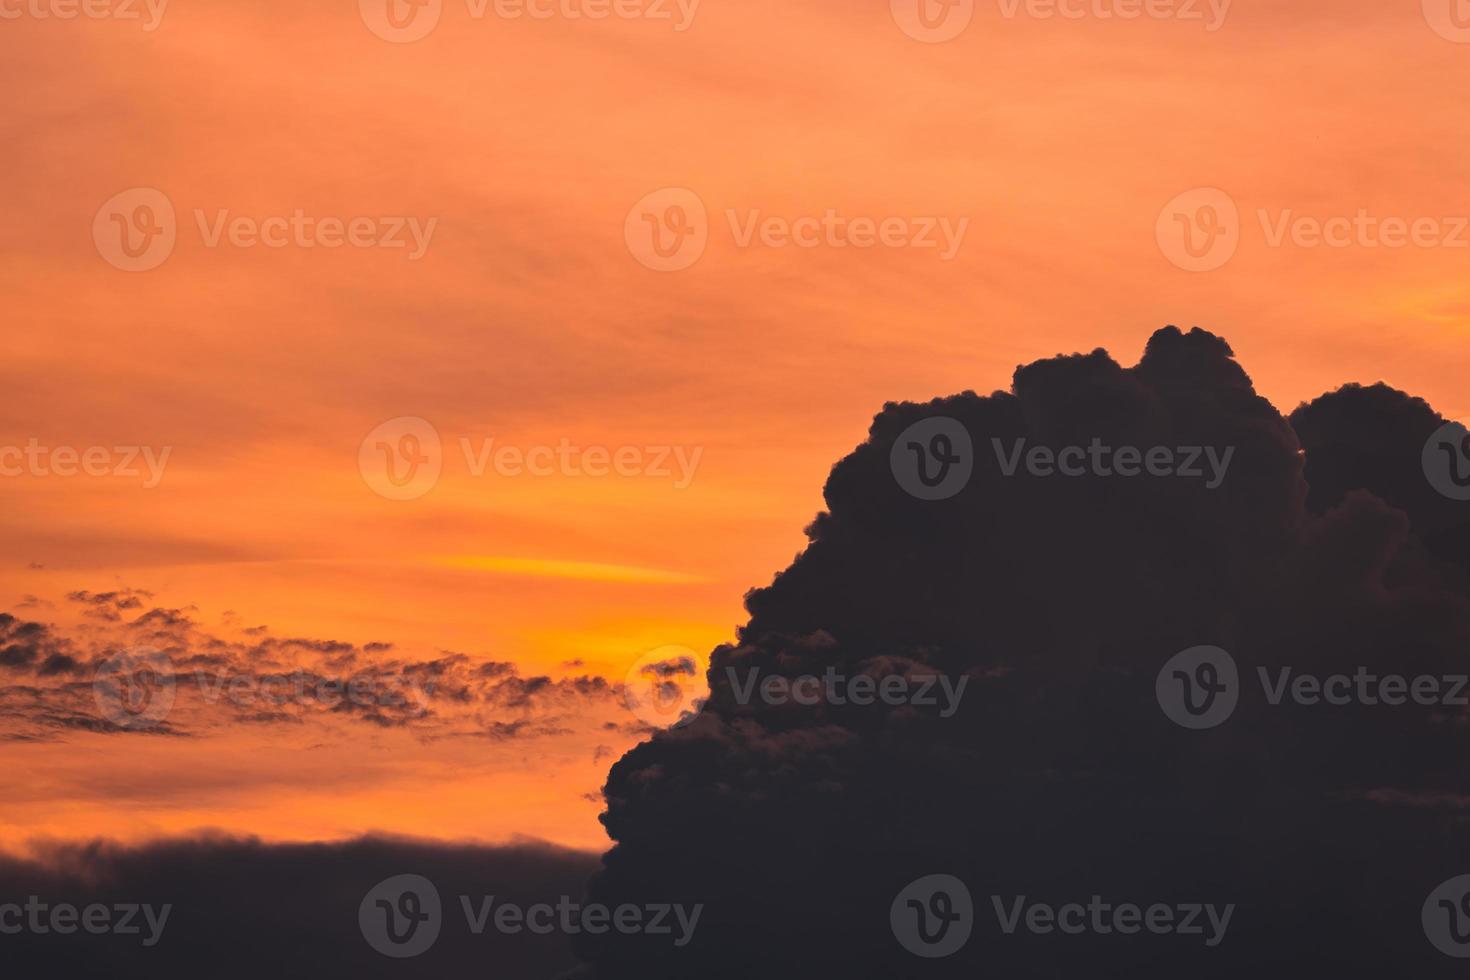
x: 521, y: 148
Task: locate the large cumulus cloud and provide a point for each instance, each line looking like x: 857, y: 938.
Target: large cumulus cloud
x: 1059, y: 777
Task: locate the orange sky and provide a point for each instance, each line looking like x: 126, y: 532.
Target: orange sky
x: 528, y: 320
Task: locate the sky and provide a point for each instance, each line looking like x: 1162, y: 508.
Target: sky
x: 377, y: 346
